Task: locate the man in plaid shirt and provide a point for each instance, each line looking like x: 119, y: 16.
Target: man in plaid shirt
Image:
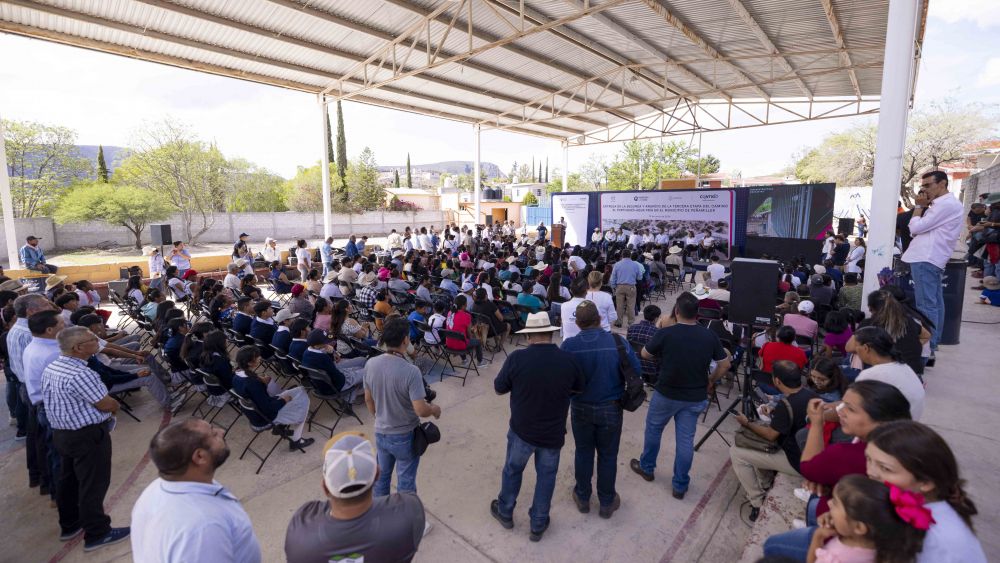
x: 639, y: 334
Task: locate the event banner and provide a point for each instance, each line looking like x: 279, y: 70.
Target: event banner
x: 574, y: 208
x: 676, y: 212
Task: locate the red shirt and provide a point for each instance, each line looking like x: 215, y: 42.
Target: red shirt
x: 834, y: 462
x: 459, y: 322
x: 774, y: 351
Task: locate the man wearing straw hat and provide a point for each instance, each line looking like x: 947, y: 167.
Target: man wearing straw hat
x: 540, y: 379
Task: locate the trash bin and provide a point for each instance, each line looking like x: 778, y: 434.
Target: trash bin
x: 954, y: 299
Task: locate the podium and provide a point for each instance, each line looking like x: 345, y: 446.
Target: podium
x: 558, y: 235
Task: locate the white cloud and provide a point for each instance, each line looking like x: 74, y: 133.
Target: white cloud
x: 982, y: 13
x: 990, y: 75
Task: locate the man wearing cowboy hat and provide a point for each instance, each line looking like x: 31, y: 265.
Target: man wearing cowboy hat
x: 540, y: 379
x: 271, y: 252
x: 33, y: 257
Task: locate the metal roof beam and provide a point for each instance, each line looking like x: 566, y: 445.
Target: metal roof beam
x: 523, y: 52
x: 169, y: 38
x: 383, y: 55
x: 663, y: 11
x: 610, y: 23
x: 838, y: 36
x: 420, y: 46
x: 765, y: 41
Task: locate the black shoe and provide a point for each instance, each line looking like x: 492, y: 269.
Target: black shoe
x: 679, y: 495
x: 32, y: 484
x: 20, y: 436
x: 581, y: 505
x: 507, y: 523
x: 754, y: 513
x: 536, y: 535
x: 44, y: 490
x: 281, y: 430
x: 114, y: 536
x: 930, y: 361
x: 301, y: 444
x: 607, y: 511
x: 66, y: 536
x: 634, y: 464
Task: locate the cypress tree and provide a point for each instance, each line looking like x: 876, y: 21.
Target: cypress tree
x: 409, y: 172
x: 396, y: 178
x: 341, y: 152
x: 330, y: 142
x: 102, y: 166
x: 546, y: 170
x: 539, y: 170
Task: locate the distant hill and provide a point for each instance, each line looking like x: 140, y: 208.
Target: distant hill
x: 451, y: 167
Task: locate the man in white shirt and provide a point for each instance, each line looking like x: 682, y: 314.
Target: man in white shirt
x: 185, y: 514
x: 567, y: 310
x: 716, y: 271
x: 635, y: 241
x: 935, y: 226
x: 270, y: 251
x: 597, y: 237
x: 394, y: 240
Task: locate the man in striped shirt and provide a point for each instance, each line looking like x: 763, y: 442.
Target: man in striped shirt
x: 80, y: 412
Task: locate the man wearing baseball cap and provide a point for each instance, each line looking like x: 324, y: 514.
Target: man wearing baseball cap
x: 352, y: 524
x: 33, y: 257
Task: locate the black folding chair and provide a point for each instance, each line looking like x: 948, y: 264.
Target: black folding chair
x: 448, y: 353
x: 339, y: 403
x: 259, y: 424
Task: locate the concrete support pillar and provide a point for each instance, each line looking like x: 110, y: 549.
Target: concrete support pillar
x: 323, y: 122
x: 565, y: 147
x: 897, y: 81
x: 477, y: 183
x: 10, y: 236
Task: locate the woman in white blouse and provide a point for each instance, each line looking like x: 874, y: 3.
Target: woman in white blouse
x: 303, y: 259
x: 856, y: 255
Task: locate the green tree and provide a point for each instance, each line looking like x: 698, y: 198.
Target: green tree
x: 331, y: 143
x: 524, y: 174
x: 546, y: 170
x: 395, y: 178
x: 709, y: 165
x: 341, y: 154
x: 463, y: 182
x: 102, y: 167
x: 574, y: 183
x: 304, y: 192
x: 409, y: 172
x: 530, y: 199
x: 641, y: 164
x: 362, y: 181
x: 255, y: 189
x: 128, y: 206
x: 42, y: 161
x: 539, y: 177
x: 937, y: 134
x: 173, y: 164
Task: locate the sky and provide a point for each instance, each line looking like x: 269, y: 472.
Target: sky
x: 107, y: 98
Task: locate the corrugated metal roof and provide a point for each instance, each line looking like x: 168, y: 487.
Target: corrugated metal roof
x: 559, y: 81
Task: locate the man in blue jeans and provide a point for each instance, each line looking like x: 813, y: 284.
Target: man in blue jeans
x: 540, y: 379
x: 596, y: 414
x: 935, y: 225
x: 395, y: 395
x: 685, y: 351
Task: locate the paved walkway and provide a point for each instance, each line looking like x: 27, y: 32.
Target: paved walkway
x: 459, y: 476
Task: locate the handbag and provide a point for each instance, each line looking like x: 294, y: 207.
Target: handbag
x: 425, y: 434
x: 634, y: 394
x: 746, y: 438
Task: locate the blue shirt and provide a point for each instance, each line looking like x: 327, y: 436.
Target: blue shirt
x: 326, y: 253
x: 242, y: 322
x: 597, y: 354
x: 414, y: 318
x: 18, y: 338
x: 70, y: 389
x: 281, y: 339
x: 297, y: 348
x: 993, y: 295
x: 351, y: 250
x: 324, y: 362
x: 175, y: 521
x: 625, y: 272
x: 37, y: 356
x: 32, y: 256
x: 264, y: 331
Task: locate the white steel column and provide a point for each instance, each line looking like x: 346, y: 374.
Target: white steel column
x: 897, y: 78
x: 565, y: 145
x: 477, y: 183
x: 325, y: 169
x: 8, y: 207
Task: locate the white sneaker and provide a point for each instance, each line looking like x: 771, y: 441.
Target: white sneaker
x: 802, y: 494
x: 427, y: 527
x: 798, y: 524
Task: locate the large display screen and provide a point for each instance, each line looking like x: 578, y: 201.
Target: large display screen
x: 675, y: 212
x: 791, y: 211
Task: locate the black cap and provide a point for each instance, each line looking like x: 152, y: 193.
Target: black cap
x: 316, y: 338
x: 243, y: 235
x: 33, y: 237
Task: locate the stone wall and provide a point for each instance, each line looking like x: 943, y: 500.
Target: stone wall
x: 224, y: 227
x: 983, y: 182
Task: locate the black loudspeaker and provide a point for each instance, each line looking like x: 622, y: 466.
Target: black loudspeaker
x: 753, y: 291
x: 845, y: 226
x: 160, y: 235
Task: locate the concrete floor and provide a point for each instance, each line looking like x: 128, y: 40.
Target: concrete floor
x: 459, y: 476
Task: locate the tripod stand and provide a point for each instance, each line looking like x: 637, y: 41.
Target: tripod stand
x: 746, y: 393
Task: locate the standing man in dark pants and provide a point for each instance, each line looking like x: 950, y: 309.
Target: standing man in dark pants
x: 596, y: 414
x: 18, y: 338
x: 80, y: 412
x: 540, y: 379
x: 685, y: 351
